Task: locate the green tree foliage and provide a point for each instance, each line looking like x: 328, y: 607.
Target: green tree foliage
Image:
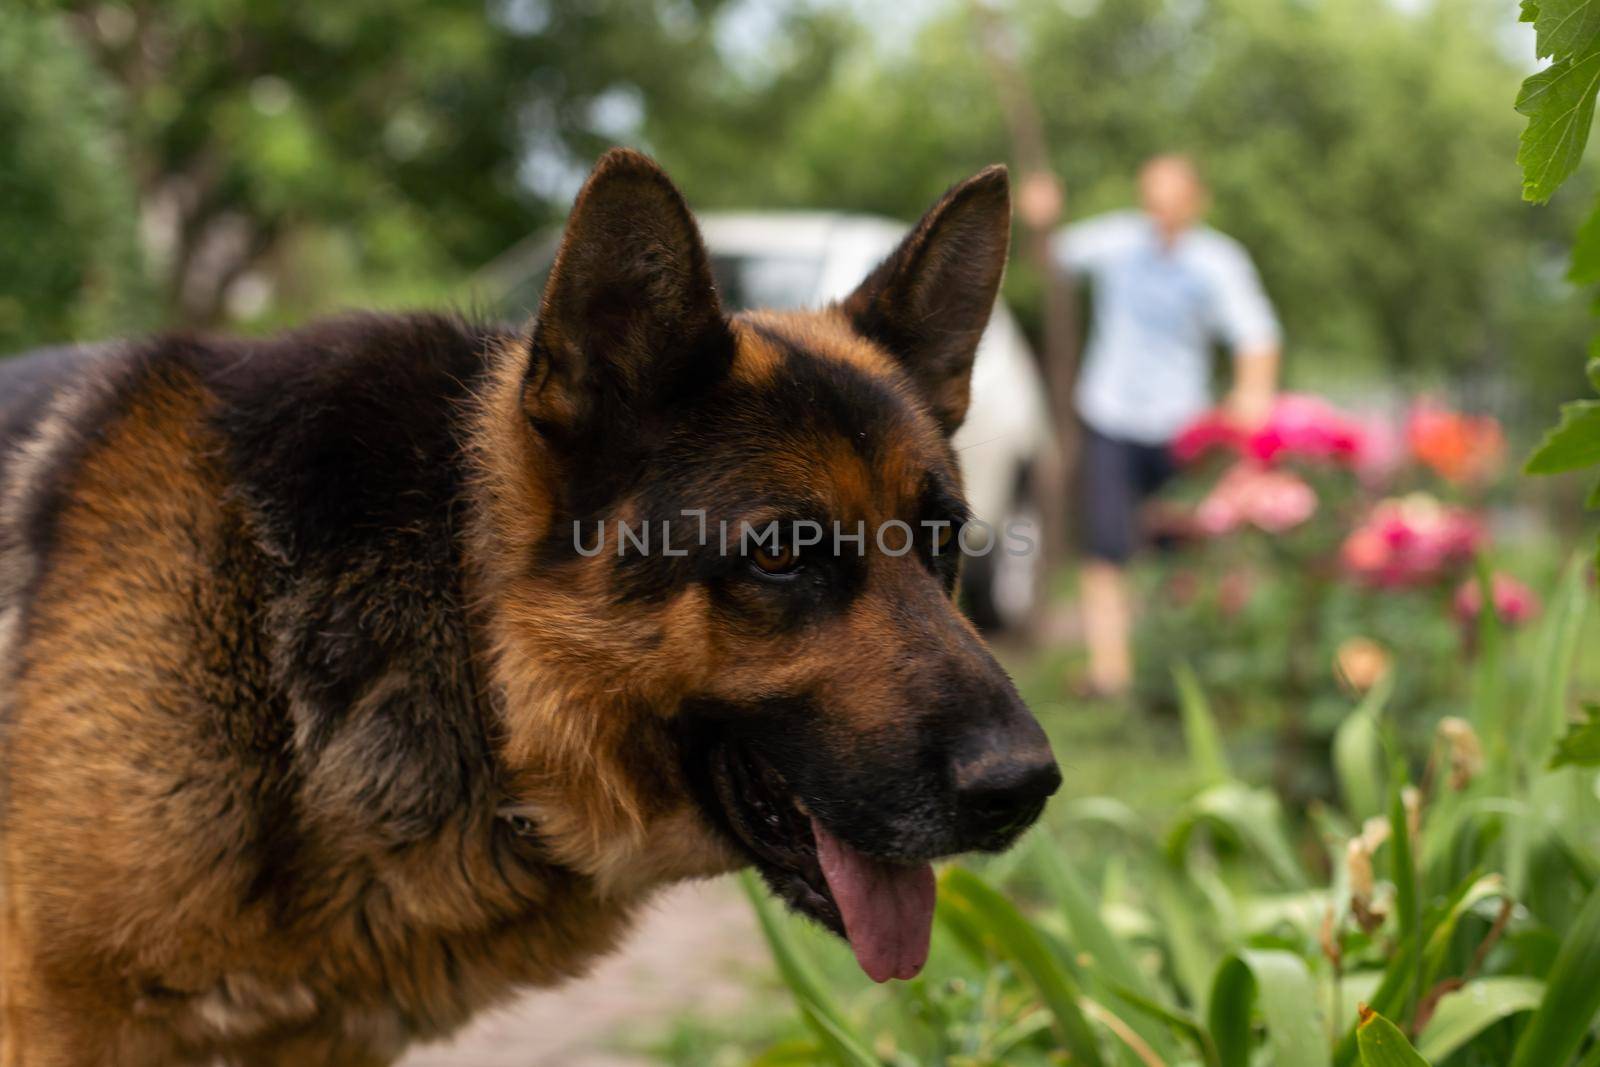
x: 69, y: 257
x: 1362, y: 153
x: 1559, y: 103
x: 371, y: 147
x: 372, y: 151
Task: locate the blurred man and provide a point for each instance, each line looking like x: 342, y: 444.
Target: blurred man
x: 1165, y: 289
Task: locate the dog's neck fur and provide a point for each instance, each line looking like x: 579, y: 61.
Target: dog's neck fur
x: 604, y: 800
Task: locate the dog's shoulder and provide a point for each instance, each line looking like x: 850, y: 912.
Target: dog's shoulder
x: 348, y: 426
x: 55, y: 406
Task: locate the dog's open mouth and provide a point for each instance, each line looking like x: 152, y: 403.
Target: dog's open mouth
x: 884, y: 909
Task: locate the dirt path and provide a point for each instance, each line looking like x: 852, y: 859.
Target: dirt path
x: 690, y: 951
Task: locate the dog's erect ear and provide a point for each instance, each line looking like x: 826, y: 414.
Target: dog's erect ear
x: 929, y: 302
x: 629, y: 322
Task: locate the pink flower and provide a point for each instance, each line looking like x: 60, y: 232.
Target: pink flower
x: 1300, y: 426
x: 1514, y: 602
x: 1255, y: 495
x: 1309, y: 427
x: 1411, y: 541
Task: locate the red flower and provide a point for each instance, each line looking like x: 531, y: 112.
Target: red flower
x: 1514, y: 602
x: 1210, y: 431
x: 1464, y: 449
x: 1300, y: 426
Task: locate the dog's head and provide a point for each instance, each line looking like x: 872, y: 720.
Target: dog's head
x: 729, y: 552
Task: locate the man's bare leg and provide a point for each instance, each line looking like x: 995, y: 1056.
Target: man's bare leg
x: 1107, y: 626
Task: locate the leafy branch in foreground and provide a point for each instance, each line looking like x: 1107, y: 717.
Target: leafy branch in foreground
x: 1559, y: 103
x: 1558, y: 100
x: 1581, y: 746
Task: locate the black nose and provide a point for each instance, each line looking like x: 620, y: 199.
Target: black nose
x: 1001, y: 788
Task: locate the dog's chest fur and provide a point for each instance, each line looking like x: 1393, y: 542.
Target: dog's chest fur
x: 244, y: 565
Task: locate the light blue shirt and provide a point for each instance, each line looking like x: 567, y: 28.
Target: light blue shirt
x: 1157, y: 309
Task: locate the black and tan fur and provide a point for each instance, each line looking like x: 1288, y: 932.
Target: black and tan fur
x: 289, y: 627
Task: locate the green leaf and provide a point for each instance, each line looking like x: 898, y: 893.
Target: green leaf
x: 1466, y: 897
x: 1572, y: 995
x: 844, y: 1046
x: 1403, y: 872
x: 1388, y: 999
x: 1593, y: 368
x: 1206, y: 752
x: 1358, y: 753
x: 1565, y: 27
x: 1581, y: 746
x: 817, y: 1008
x: 1287, y: 997
x: 1529, y: 12
x: 1109, y: 814
x: 1182, y: 1021
x: 1573, y: 443
x: 1032, y: 956
x: 795, y: 1053
x: 1472, y: 1009
x: 1111, y: 965
x: 1089, y: 932
x: 1559, y: 642
x: 1195, y: 936
x: 1251, y: 817
x: 1559, y: 103
x: 1383, y: 1045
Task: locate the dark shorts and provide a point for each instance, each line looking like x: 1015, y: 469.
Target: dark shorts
x: 1118, y: 476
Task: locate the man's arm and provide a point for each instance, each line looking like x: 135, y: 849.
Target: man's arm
x: 1087, y: 245
x: 1255, y: 384
x: 1078, y: 247
x: 1247, y: 323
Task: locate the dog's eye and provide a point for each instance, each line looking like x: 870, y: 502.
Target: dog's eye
x: 778, y: 561
x: 945, y: 535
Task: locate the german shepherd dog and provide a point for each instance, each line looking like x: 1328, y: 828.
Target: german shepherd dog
x: 326, y: 724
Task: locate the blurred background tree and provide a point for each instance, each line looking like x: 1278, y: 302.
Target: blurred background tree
x: 287, y: 159
x: 69, y: 247
x: 1361, y: 149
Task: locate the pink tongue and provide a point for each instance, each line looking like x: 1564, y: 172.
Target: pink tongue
x: 887, y: 909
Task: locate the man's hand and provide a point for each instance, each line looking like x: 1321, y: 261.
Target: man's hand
x: 1248, y: 409
x: 1255, y: 388
x: 1039, y: 200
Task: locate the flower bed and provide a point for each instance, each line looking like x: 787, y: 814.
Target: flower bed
x: 1318, y: 529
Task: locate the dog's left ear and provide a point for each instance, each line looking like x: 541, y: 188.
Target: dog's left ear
x: 929, y: 302
x: 630, y: 323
